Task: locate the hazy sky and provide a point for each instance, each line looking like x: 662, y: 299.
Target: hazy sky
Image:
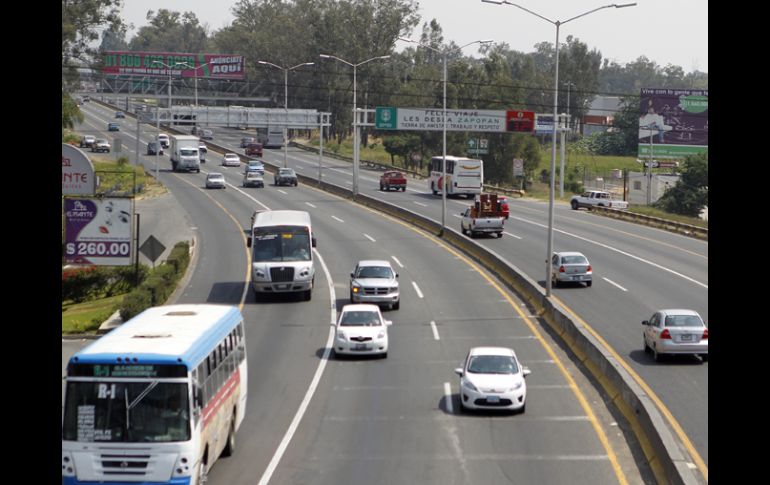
x: 666, y: 31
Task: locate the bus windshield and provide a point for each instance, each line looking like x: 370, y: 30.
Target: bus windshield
x: 281, y: 243
x: 131, y: 412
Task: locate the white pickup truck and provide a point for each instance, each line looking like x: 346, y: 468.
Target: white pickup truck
x: 597, y: 198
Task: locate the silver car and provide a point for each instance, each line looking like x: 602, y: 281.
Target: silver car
x: 676, y: 331
x: 570, y: 267
x: 215, y: 180
x: 231, y: 160
x: 374, y: 281
x: 253, y: 179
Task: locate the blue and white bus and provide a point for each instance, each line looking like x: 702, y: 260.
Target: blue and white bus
x: 156, y: 400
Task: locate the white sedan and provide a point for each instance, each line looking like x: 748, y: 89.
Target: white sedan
x: 361, y: 330
x: 676, y: 332
x: 231, y: 160
x: 492, y: 378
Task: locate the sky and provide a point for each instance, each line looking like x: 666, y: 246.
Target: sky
x: 665, y: 31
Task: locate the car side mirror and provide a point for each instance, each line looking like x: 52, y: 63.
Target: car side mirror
x: 459, y: 371
x: 525, y: 371
x: 388, y: 322
x: 352, y: 275
x: 396, y: 275
x: 313, y: 241
x: 645, y: 322
x: 248, y: 242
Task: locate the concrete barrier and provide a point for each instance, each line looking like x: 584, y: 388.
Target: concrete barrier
x: 666, y: 224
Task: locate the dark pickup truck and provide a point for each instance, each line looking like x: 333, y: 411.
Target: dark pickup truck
x: 253, y: 149
x: 392, y: 180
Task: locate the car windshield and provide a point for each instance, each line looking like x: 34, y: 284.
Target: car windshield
x: 574, y: 260
x: 253, y: 175
x: 360, y: 319
x: 188, y: 151
x: 230, y: 156
x: 286, y: 171
x: 492, y: 364
x: 683, y: 321
x: 133, y: 412
x: 374, y: 272
x: 101, y: 141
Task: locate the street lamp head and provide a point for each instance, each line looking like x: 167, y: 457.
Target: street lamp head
x: 496, y: 2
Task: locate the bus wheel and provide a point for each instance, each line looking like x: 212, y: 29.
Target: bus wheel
x: 230, y: 446
x: 202, y: 473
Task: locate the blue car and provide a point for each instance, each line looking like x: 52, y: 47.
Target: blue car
x: 113, y: 127
x: 255, y: 166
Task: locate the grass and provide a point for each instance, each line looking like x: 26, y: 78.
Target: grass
x: 87, y: 316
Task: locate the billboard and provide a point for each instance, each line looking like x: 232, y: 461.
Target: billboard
x: 77, y: 172
x: 432, y: 119
x: 98, y: 231
x: 215, y: 66
x: 673, y: 123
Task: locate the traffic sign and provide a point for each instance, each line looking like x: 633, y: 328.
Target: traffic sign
x: 152, y: 248
x: 520, y: 121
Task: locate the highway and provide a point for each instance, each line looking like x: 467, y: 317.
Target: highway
x: 393, y: 421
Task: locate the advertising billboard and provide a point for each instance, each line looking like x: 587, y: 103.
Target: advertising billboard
x: 214, y: 66
x: 98, y: 231
x: 673, y: 123
x: 77, y: 172
x: 432, y: 119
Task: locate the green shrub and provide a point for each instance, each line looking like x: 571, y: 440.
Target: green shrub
x: 82, y: 284
x: 159, y: 284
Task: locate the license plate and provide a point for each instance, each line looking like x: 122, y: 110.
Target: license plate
x: 576, y: 277
x: 360, y: 347
x: 282, y: 287
x: 685, y: 338
x: 493, y: 399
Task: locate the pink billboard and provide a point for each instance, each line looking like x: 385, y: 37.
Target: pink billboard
x: 215, y: 66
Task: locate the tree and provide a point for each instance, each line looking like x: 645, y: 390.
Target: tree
x: 70, y: 113
x: 690, y: 193
x: 171, y: 32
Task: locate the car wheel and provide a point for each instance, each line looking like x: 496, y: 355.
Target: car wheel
x: 647, y: 349
x: 433, y: 188
x: 308, y: 295
x: 384, y: 355
x: 574, y: 205
x: 499, y: 235
x: 397, y: 305
x: 589, y: 283
x: 382, y: 187
x: 230, y: 446
x: 403, y: 189
x: 554, y: 282
x: 656, y: 355
x: 704, y: 357
x: 523, y: 408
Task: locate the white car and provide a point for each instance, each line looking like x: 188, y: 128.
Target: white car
x: 215, y: 180
x: 492, y: 378
x: 374, y: 281
x: 570, y: 267
x: 676, y: 331
x: 361, y: 330
x: 231, y: 160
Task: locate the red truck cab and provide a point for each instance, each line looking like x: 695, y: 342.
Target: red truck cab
x: 253, y: 150
x: 502, y: 206
x: 393, y: 179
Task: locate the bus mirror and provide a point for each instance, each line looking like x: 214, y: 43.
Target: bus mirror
x: 248, y: 242
x: 197, y: 396
x: 313, y: 241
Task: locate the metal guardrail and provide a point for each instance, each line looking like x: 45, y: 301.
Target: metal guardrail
x: 669, y: 225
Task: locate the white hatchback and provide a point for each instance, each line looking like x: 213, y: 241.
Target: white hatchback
x: 492, y: 378
x: 361, y: 330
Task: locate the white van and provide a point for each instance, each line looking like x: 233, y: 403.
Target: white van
x: 184, y: 153
x: 282, y: 245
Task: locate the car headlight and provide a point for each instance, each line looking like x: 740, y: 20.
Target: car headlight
x: 394, y: 289
x: 381, y: 335
x: 258, y: 273
x: 304, y: 272
x: 468, y: 385
x: 341, y: 335
x: 516, y: 386
x: 355, y: 287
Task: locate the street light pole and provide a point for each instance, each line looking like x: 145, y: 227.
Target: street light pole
x: 157, y: 110
x: 356, y: 154
x: 557, y: 23
x: 286, y: 102
x: 444, y: 54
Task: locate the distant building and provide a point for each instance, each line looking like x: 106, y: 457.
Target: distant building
x: 600, y: 114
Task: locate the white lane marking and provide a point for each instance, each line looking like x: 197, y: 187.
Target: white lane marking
x: 313, y: 385
x: 340, y: 171
x: 457, y: 216
x: 397, y: 261
x: 337, y: 219
x: 448, y: 394
x: 435, y: 330
x: 656, y: 265
x: 281, y: 191
x: 311, y: 205
x: 512, y: 235
x: 420, y: 203
x: 369, y: 237
x: 417, y: 289
x: 613, y: 283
